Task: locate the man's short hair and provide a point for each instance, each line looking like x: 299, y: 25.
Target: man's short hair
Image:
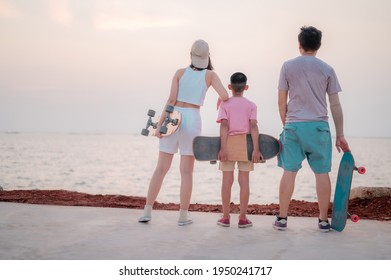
x: 238, y: 82
x: 310, y: 38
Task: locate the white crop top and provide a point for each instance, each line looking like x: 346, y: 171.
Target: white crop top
x: 192, y: 87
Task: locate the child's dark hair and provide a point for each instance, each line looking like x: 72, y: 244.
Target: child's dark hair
x: 310, y: 38
x: 238, y: 82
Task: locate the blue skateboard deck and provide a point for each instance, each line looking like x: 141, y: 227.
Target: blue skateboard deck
x: 342, y: 192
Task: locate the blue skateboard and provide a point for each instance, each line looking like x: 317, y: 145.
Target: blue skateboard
x: 342, y: 192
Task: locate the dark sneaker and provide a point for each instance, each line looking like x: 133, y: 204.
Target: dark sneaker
x: 324, y: 226
x: 223, y: 222
x: 244, y: 223
x: 280, y: 223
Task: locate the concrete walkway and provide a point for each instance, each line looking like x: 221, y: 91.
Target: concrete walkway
x: 39, y: 232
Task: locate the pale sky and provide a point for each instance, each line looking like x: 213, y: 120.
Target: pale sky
x: 98, y: 66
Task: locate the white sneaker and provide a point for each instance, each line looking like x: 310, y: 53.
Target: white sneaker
x: 184, y: 218
x: 185, y: 222
x: 147, y: 214
x: 144, y: 219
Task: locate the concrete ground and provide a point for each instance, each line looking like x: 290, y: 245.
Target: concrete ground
x: 40, y: 232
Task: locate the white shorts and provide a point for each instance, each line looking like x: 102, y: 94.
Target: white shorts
x: 189, y: 128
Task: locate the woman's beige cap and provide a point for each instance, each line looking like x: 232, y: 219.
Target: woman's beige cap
x: 200, y: 54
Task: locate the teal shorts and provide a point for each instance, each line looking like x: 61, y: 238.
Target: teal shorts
x: 301, y: 140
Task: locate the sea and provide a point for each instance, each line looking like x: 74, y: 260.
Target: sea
x: 122, y: 164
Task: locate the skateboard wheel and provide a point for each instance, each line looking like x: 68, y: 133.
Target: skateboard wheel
x: 145, y: 132
x: 174, y: 121
x: 213, y: 162
x: 361, y: 170
x: 151, y: 113
x: 354, y: 218
x: 163, y: 130
x: 169, y: 109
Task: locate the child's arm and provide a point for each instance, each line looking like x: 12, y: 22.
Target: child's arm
x: 223, y: 140
x: 254, y: 131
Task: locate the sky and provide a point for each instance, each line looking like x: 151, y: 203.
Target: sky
x: 98, y: 66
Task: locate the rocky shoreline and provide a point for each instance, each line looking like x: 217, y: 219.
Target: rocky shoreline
x: 372, y: 207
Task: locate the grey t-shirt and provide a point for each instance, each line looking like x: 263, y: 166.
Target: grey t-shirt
x: 307, y: 80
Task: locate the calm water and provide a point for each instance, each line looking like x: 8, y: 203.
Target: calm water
x: 123, y: 164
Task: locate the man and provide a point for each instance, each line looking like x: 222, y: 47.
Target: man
x: 306, y: 80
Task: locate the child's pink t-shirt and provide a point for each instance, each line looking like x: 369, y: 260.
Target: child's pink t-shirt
x: 238, y: 110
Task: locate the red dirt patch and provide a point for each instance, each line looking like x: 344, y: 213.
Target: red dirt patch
x: 377, y: 208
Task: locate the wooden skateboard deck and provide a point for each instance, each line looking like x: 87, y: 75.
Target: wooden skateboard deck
x: 342, y: 192
x: 170, y: 125
x: 206, y: 148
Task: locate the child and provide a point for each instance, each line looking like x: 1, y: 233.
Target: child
x: 188, y: 89
x: 237, y: 116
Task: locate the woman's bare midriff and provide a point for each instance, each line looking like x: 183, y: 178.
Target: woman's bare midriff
x: 186, y: 105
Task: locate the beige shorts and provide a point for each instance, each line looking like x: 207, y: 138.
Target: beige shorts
x: 242, y: 165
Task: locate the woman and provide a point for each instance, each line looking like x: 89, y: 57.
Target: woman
x: 188, y: 89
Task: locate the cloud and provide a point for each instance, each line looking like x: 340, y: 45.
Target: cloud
x: 134, y: 16
x: 8, y: 10
x: 133, y: 23
x: 60, y: 12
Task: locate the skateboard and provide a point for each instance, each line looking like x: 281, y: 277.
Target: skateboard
x: 169, y: 126
x: 342, y: 192
x: 207, y: 148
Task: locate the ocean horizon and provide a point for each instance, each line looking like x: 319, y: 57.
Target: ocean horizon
x: 123, y: 163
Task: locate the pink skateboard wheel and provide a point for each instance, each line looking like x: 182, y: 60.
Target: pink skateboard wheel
x: 354, y: 218
x: 361, y: 170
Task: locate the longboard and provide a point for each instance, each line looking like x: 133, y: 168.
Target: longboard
x: 170, y: 125
x: 342, y: 191
x: 206, y: 148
